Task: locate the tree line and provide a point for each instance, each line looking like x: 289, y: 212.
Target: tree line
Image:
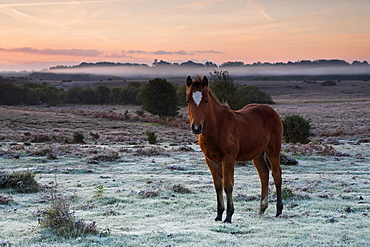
x: 158, y: 96
x: 162, y: 63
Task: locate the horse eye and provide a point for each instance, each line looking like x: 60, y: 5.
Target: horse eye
x: 187, y: 102
x: 206, y: 101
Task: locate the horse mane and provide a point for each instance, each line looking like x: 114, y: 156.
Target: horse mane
x: 197, y: 86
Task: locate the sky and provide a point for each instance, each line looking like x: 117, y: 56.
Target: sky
x: 38, y: 34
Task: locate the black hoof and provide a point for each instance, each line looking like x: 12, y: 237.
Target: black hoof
x: 218, y: 218
x: 279, y: 210
x: 227, y: 220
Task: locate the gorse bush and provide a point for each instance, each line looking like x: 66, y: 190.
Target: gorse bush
x: 152, y: 137
x: 296, y: 129
x: 78, y: 137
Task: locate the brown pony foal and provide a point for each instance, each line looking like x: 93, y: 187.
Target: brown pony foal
x: 225, y: 136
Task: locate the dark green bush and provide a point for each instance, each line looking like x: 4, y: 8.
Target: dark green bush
x: 159, y: 98
x: 296, y: 129
x: 152, y: 137
x: 78, y: 136
x: 248, y: 94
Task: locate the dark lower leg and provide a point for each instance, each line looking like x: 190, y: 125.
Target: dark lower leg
x: 230, y: 206
x: 279, y: 202
x: 220, y: 205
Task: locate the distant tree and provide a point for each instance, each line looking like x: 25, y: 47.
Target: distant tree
x: 73, y: 95
x: 115, y: 95
x: 102, y: 94
x: 134, y: 84
x: 181, y: 95
x: 88, y: 96
x: 223, y: 86
x: 232, y: 64
x: 210, y: 64
x: 10, y: 94
x: 129, y: 95
x: 250, y: 94
x: 37, y: 93
x: 159, y: 98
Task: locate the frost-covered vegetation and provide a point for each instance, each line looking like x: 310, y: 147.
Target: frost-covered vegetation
x: 166, y: 197
x: 116, y: 189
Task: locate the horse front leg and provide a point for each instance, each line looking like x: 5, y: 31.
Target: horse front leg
x: 216, y: 170
x: 228, y: 184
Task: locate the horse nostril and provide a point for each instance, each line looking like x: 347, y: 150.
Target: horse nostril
x: 197, y: 129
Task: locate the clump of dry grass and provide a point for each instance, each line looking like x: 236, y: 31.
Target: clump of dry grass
x: 62, y: 221
x: 312, y: 148
x: 21, y: 182
x: 148, y: 193
x: 4, y: 200
x: 105, y: 157
x: 151, y: 151
x: 178, y: 188
x: 40, y: 137
x: 9, y: 155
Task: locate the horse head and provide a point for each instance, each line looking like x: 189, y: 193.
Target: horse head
x: 197, y: 96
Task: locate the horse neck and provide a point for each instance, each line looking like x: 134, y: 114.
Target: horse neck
x: 213, y: 118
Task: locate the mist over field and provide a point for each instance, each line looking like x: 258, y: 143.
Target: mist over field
x: 141, y: 71
x: 162, y: 69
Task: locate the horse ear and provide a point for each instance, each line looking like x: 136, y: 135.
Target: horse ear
x: 189, y: 81
x: 205, y: 81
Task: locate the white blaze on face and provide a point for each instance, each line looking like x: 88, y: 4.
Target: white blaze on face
x: 197, y: 97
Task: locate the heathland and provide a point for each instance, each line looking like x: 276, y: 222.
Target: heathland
x: 141, y: 194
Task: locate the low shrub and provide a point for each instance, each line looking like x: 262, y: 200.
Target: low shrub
x: 21, y: 182
x: 178, y: 188
x: 151, y: 151
x: 62, y: 221
x: 152, y: 137
x: 95, y: 136
x: 105, y: 157
x: 296, y: 129
x: 78, y: 137
x: 99, y: 190
x: 4, y: 200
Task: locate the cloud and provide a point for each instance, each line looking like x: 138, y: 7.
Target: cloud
x: 116, y: 55
x: 56, y: 3
x: 180, y: 52
x: 258, y: 8
x: 136, y: 52
x: 210, y: 51
x: 61, y: 52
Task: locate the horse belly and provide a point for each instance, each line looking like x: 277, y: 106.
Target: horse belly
x: 251, y: 148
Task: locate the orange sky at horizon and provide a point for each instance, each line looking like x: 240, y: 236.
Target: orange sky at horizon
x: 38, y: 34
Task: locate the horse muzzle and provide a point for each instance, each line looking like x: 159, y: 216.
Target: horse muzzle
x: 196, y: 128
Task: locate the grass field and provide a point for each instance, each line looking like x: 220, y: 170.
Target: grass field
x: 326, y: 200
x: 162, y: 195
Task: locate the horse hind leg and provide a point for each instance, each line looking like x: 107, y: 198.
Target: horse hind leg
x: 263, y: 173
x: 274, y: 161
